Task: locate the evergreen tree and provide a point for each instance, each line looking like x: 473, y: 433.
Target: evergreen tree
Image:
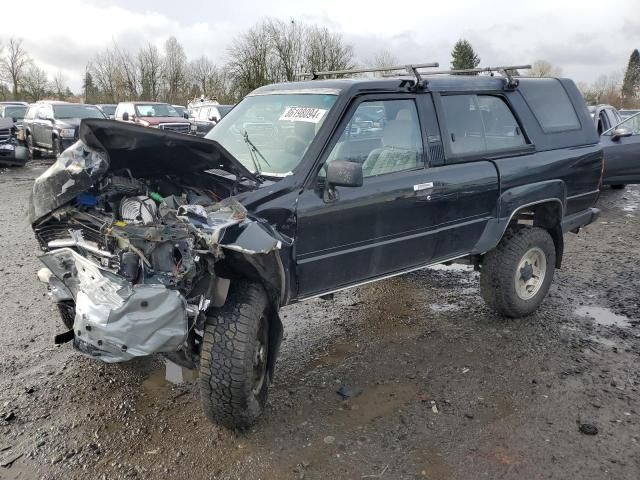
x: 463, y: 57
x: 631, y: 83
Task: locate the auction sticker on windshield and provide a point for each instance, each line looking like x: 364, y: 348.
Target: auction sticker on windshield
x: 303, y: 114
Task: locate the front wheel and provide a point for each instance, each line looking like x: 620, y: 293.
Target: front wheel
x: 33, y: 153
x: 517, y: 274
x: 57, y: 147
x: 234, y: 376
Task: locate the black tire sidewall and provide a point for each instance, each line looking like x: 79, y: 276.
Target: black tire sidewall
x: 502, y: 264
x: 226, y: 365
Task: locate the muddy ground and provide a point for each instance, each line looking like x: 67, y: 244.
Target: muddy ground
x: 448, y: 389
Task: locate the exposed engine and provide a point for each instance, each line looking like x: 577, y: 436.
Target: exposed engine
x: 146, y: 232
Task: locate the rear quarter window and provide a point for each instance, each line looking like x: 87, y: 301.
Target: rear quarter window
x: 551, y: 105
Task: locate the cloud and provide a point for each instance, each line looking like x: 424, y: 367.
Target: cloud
x: 582, y: 40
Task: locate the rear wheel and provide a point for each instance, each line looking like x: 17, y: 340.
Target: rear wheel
x: 33, y: 153
x: 234, y: 376
x: 618, y: 186
x: 517, y: 274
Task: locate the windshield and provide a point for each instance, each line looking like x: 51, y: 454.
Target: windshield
x: 156, y: 110
x: 76, y: 111
x: 271, y: 133
x: 109, y: 109
x: 15, y: 112
x: 632, y: 123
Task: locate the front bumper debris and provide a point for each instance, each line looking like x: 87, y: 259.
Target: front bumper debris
x: 115, y: 320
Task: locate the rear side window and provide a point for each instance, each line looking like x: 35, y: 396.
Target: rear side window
x: 478, y: 124
x: 551, y: 106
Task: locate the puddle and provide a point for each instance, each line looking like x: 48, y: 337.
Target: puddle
x: 603, y: 316
x: 336, y: 354
x: 377, y: 401
x: 431, y: 464
x: 444, y: 307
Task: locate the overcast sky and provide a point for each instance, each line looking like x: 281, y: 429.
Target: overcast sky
x: 586, y: 39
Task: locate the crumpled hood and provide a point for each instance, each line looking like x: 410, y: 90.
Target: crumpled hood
x: 106, y: 145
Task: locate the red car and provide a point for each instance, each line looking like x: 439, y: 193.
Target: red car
x: 154, y: 114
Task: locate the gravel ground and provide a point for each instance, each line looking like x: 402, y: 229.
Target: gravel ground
x: 441, y: 387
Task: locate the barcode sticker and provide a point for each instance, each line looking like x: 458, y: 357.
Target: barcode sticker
x: 303, y: 114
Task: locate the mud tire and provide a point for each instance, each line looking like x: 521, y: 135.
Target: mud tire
x: 500, y: 266
x: 234, y: 337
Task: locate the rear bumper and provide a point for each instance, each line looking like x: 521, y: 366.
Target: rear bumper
x: 580, y: 219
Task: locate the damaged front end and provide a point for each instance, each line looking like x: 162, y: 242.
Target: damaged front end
x: 138, y: 234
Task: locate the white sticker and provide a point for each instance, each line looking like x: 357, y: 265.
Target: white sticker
x: 303, y: 114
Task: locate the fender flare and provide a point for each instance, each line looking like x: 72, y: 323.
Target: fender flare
x: 513, y: 200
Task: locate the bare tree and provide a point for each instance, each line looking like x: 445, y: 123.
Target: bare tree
x: 35, y: 83
x: 150, y: 72
x: 175, y: 71
x: 542, y: 68
x: 14, y: 64
x: 105, y: 76
x: 59, y: 85
x: 250, y: 63
x: 326, y: 51
x: 202, y: 71
x: 127, y: 69
x: 287, y: 43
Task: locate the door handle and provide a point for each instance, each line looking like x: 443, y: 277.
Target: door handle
x: 420, y: 187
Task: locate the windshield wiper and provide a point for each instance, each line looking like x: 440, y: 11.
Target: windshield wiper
x: 255, y: 154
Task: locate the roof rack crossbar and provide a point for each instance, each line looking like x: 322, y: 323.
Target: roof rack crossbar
x: 410, y: 69
x: 507, y: 71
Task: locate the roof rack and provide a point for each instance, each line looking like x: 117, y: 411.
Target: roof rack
x: 507, y: 71
x: 409, y: 69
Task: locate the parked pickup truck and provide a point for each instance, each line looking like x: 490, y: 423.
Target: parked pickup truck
x: 161, y: 242
x: 155, y: 115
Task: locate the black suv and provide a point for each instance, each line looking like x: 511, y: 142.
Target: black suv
x: 50, y: 126
x: 170, y: 243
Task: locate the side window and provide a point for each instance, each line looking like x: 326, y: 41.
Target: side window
x: 384, y: 136
x: 463, y: 121
x: 550, y: 104
x: 500, y: 126
x: 480, y: 123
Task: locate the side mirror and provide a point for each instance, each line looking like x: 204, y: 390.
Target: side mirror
x: 621, y: 132
x: 341, y: 173
x: 125, y: 117
x: 186, y: 115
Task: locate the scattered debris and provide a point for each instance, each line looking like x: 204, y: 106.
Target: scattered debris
x: 329, y: 439
x: 349, y: 391
x: 588, y: 429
